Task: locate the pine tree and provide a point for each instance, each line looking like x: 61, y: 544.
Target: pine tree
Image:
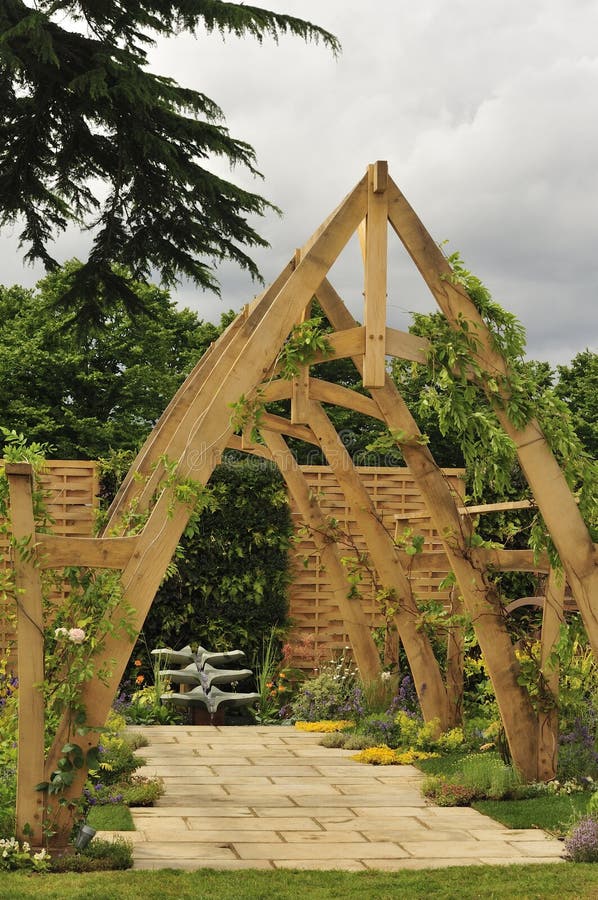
x: 80, y: 115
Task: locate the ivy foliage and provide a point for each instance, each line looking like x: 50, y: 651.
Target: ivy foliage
x: 89, y: 135
x: 229, y: 586
x: 463, y: 397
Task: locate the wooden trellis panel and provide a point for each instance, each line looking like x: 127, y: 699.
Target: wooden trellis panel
x: 72, y: 488
x: 312, y: 607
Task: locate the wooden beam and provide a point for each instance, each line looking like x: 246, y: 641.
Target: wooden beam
x: 343, y: 344
x: 234, y: 442
x: 479, y: 595
x: 495, y: 507
x: 424, y: 666
x: 300, y: 384
x: 30, y: 658
x: 544, y: 475
x: 300, y: 397
x: 351, y: 611
x: 55, y: 551
x: 342, y: 396
x: 407, y: 346
x: 548, y: 718
x: 280, y: 425
x: 511, y: 560
x: 376, y: 242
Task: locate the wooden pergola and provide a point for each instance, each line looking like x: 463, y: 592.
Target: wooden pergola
x: 195, y: 429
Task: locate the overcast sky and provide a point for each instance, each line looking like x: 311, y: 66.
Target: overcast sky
x: 487, y: 113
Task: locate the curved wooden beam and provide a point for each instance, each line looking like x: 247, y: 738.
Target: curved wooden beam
x: 280, y: 425
x: 236, y: 443
x: 342, y: 396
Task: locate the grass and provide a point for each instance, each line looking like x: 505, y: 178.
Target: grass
x: 565, y: 880
x: 552, y: 813
x: 111, y: 817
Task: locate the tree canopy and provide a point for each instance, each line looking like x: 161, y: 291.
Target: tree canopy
x: 89, y: 135
x: 89, y: 394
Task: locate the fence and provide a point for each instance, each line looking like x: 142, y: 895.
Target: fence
x: 312, y: 608
x: 72, y: 488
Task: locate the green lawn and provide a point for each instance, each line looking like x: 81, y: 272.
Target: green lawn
x: 552, y: 813
x: 111, y: 817
x: 565, y: 880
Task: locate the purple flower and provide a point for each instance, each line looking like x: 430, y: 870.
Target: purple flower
x: 582, y: 844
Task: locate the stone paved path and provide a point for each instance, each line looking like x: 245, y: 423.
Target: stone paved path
x: 271, y: 797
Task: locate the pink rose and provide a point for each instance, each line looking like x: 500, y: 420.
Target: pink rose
x: 76, y: 635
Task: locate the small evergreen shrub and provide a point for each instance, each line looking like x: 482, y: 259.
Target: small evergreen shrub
x: 357, y: 742
x: 334, y: 740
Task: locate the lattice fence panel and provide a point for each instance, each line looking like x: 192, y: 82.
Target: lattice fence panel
x: 72, y: 492
x: 312, y: 607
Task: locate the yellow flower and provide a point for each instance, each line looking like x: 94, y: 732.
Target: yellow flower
x: 325, y: 726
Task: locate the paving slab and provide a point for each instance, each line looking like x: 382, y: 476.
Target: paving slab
x: 241, y: 797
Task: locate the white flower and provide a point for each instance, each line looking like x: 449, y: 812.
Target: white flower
x: 76, y: 635
x: 385, y: 676
x: 60, y: 632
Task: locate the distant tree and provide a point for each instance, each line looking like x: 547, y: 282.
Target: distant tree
x: 577, y: 385
x: 101, y: 391
x: 89, y: 135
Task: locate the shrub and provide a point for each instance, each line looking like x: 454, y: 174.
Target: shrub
x: 335, y: 740
x: 380, y: 729
x: 231, y: 580
x: 578, y: 756
x: 98, y: 856
x: 385, y: 756
x: 324, y: 726
x: 141, y: 791
x: 117, y: 760
x: 357, y: 742
x: 14, y: 855
x: 582, y: 843
x: 443, y: 792
x: 333, y: 694
x: 489, y: 777
x: 377, y: 756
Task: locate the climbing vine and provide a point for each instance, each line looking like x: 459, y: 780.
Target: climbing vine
x: 462, y: 394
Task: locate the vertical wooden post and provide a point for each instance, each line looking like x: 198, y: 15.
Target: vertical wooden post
x: 455, y: 646
x: 300, y: 384
x: 30, y: 632
x: 548, y: 720
x: 376, y: 243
